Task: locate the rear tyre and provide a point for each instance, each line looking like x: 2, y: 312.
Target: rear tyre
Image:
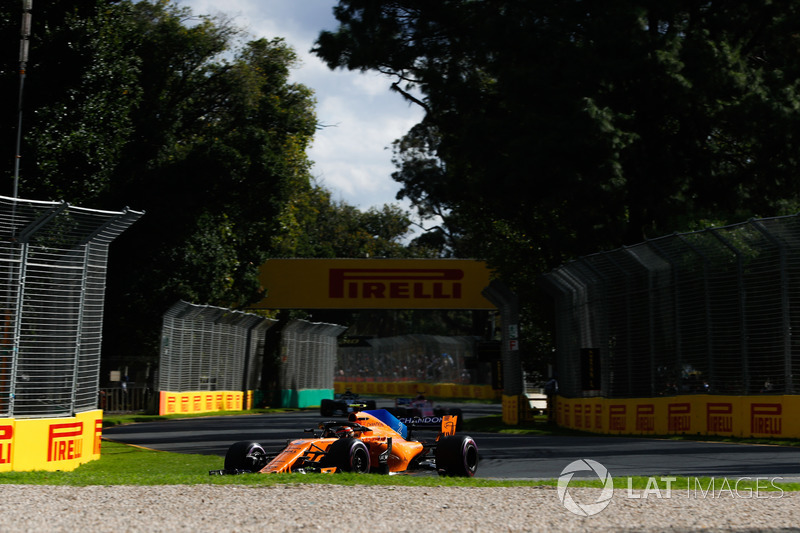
x: 348, y: 455
x: 246, y: 456
x: 456, y: 456
x: 326, y: 408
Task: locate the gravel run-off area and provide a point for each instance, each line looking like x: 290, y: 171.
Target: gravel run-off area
x: 300, y: 507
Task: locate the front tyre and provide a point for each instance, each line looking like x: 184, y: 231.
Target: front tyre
x: 348, y: 455
x: 456, y: 456
x: 246, y: 456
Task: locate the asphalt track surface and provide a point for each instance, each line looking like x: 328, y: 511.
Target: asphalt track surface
x: 502, y: 455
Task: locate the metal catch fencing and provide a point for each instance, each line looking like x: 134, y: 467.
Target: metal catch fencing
x: 308, y: 355
x: 710, y: 311
x: 416, y: 357
x: 206, y: 348
x: 53, y: 261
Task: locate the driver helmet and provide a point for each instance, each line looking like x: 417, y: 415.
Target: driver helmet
x: 344, y: 432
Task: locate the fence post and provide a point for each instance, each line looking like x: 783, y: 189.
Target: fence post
x: 23, y: 262
x: 76, y: 361
x: 508, y: 304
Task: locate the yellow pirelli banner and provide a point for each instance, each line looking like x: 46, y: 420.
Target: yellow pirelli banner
x: 176, y: 403
x: 374, y: 284
x: 50, y: 443
x: 702, y: 414
x: 413, y: 388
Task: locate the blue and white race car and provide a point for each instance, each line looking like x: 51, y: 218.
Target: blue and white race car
x: 344, y: 404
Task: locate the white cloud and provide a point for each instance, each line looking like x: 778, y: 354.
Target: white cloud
x: 362, y: 116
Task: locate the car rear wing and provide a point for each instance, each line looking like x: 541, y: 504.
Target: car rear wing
x: 447, y: 423
x: 403, y: 424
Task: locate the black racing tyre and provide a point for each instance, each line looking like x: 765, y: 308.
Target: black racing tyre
x: 348, y: 455
x: 326, y: 408
x: 456, y: 456
x: 246, y: 456
x: 370, y: 405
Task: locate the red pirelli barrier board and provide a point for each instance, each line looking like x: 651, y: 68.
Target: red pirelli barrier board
x: 700, y: 414
x: 50, y: 443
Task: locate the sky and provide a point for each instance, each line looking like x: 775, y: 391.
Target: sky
x: 352, y: 153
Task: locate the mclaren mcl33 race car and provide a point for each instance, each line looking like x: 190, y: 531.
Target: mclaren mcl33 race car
x: 369, y: 441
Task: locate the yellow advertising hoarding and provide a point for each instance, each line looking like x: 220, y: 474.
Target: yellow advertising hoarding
x: 413, y: 388
x: 374, y: 284
x: 50, y: 443
x: 701, y: 414
x: 176, y: 403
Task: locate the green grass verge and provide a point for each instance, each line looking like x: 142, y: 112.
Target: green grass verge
x: 116, y: 420
x: 122, y: 464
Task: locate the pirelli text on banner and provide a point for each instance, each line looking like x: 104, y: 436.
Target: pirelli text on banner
x: 374, y: 284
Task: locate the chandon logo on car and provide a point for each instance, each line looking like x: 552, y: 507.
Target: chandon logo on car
x: 421, y: 420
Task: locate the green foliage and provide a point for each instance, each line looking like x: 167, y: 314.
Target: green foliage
x: 313, y: 225
x: 121, y: 464
x: 216, y: 151
x: 585, y: 126
x: 557, y: 129
x: 143, y: 104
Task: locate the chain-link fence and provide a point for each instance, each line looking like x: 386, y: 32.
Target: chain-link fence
x: 53, y: 260
x: 706, y: 312
x: 417, y: 357
x: 308, y: 355
x: 205, y: 348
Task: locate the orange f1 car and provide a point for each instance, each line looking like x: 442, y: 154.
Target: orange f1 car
x: 369, y: 441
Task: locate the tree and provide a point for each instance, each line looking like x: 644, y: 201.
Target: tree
x: 557, y: 129
x: 316, y: 226
x: 142, y: 104
x: 217, y: 153
x: 68, y: 48
x: 585, y: 125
